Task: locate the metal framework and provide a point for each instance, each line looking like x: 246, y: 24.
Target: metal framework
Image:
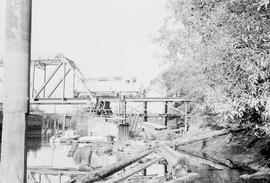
x: 57, y: 63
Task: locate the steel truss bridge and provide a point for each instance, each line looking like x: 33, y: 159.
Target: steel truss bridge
x: 57, y: 80
x: 60, y: 80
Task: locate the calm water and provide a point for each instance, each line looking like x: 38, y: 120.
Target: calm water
x: 42, y: 153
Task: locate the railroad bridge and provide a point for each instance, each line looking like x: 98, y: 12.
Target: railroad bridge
x: 57, y: 80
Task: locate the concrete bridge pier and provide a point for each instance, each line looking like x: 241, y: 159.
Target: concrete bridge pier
x: 16, y: 90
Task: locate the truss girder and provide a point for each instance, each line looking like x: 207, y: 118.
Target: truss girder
x: 59, y: 63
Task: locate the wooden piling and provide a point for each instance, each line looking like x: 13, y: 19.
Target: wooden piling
x: 144, y: 172
x: 16, y: 90
x: 125, y: 109
x: 166, y: 113
x: 54, y: 127
x: 186, y: 119
x: 145, y: 112
x: 119, y: 105
x: 64, y: 122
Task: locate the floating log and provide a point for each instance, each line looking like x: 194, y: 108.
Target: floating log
x: 46, y: 170
x: 173, y: 158
x: 73, y: 149
x: 201, y: 137
x: 263, y: 174
x: 111, y: 169
x: 134, y: 170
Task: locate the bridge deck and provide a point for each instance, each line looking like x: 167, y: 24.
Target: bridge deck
x: 147, y: 99
x: 59, y: 101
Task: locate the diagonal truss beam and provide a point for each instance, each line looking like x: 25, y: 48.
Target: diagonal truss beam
x: 81, y: 77
x: 48, y: 80
x: 69, y: 66
x: 58, y: 84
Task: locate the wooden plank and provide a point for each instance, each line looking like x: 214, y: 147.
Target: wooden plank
x: 200, y: 137
x: 45, y: 170
x: 134, y: 170
x: 111, y: 169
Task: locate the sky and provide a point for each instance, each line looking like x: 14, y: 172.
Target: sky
x: 104, y: 37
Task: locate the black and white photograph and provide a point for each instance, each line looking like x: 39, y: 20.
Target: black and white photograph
x: 134, y: 91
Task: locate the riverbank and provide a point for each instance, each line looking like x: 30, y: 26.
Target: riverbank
x: 235, y: 149
x: 238, y: 149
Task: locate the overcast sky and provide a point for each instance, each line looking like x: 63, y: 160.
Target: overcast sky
x: 104, y: 37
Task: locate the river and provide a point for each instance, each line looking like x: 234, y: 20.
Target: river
x: 41, y: 153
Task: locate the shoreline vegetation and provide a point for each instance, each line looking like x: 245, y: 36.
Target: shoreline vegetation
x: 219, y: 56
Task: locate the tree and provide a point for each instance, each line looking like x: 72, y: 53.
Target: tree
x: 221, y: 49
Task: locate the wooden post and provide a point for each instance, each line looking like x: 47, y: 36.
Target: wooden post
x: 145, y: 112
x: 44, y: 80
x: 144, y: 172
x: 58, y: 126
x: 125, y: 109
x: 165, y: 169
x: 54, y: 126
x: 166, y: 113
x: 16, y: 91
x: 119, y: 106
x: 64, y: 122
x: 186, y: 119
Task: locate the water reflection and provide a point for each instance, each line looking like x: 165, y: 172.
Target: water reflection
x: 42, y: 153
x: 123, y: 132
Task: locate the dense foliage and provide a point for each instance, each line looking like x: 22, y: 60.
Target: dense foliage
x: 219, y: 51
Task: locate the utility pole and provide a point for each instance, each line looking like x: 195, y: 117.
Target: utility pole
x: 16, y: 90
